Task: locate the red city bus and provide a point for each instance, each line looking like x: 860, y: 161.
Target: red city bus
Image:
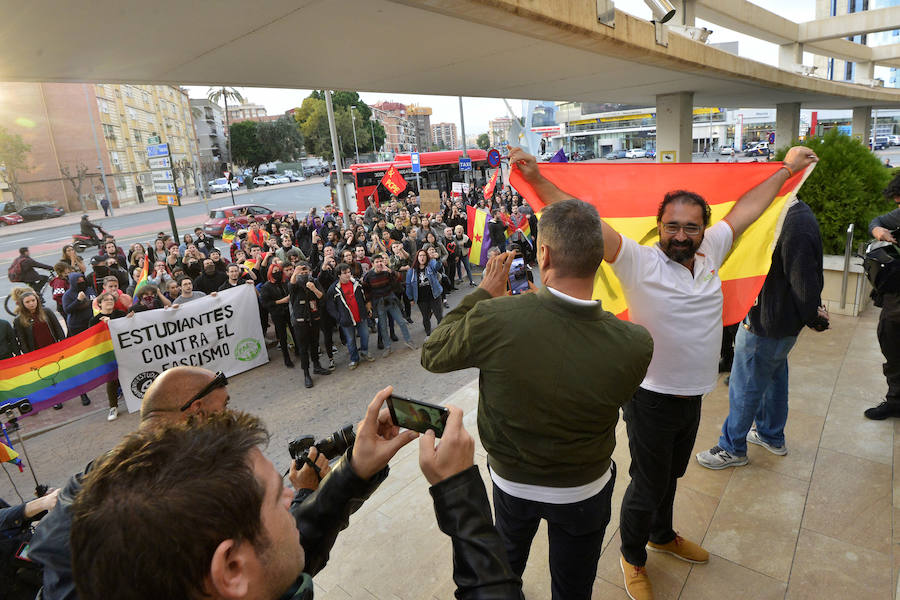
x: 439, y: 171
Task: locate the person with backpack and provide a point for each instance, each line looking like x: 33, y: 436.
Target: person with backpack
x: 884, y: 228
x: 22, y: 270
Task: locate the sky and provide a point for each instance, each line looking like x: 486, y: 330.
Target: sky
x: 478, y: 111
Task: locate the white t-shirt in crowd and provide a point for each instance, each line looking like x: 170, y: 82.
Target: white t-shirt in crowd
x: 680, y: 309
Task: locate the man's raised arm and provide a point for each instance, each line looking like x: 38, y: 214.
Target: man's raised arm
x: 753, y: 204
x: 549, y: 193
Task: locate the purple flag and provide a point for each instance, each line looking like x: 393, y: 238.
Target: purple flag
x: 560, y: 156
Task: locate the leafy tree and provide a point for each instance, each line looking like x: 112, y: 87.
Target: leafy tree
x: 483, y: 141
x: 225, y: 93
x: 13, y: 162
x: 76, y: 177
x: 280, y: 139
x: 312, y: 118
x: 845, y: 187
x: 246, y: 147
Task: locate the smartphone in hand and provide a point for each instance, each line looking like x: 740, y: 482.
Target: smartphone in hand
x: 518, y: 276
x: 417, y: 415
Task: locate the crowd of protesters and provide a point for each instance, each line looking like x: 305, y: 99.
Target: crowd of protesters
x: 324, y: 280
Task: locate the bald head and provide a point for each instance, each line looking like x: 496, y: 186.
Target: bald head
x: 168, y: 393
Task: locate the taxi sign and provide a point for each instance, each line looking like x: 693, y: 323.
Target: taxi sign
x: 414, y: 160
x: 465, y: 163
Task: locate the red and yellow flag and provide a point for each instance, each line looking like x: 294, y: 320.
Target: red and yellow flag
x: 393, y: 181
x: 489, y: 188
x: 628, y: 197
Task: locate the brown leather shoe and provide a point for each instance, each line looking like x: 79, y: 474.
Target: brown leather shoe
x: 637, y: 583
x: 681, y: 548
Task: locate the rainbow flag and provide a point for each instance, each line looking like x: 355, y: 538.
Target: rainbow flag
x: 477, y: 220
x: 628, y: 197
x: 145, y: 273
x: 228, y: 233
x: 60, y: 371
x: 7, y: 454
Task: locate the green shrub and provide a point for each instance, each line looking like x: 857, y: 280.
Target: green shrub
x: 845, y: 187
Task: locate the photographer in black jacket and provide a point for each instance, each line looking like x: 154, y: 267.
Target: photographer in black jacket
x: 237, y: 540
x: 883, y: 228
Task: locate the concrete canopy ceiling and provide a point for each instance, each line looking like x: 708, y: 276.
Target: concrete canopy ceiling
x: 537, y: 49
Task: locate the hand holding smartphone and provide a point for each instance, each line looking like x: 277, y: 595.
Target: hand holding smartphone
x: 518, y: 276
x: 417, y: 415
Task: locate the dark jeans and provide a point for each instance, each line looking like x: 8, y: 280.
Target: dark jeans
x: 112, y: 393
x: 575, y: 532
x: 430, y: 306
x: 889, y: 340
x: 306, y: 339
x: 281, y: 324
x: 661, y: 432
x: 38, y: 285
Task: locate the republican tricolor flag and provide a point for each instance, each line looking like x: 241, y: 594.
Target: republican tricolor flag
x: 477, y: 220
x: 628, y: 197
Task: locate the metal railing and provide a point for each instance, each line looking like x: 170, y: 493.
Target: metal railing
x: 847, y: 253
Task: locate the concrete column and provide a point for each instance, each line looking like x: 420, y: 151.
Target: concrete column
x: 861, y: 127
x: 674, y: 126
x: 790, y: 55
x: 787, y: 124
x: 864, y: 70
x: 687, y: 12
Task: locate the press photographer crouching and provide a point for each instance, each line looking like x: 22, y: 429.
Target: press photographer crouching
x: 235, y: 525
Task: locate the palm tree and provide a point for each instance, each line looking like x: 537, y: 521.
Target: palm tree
x: 224, y: 93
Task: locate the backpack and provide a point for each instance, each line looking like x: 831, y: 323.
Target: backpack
x: 15, y: 269
x: 881, y: 264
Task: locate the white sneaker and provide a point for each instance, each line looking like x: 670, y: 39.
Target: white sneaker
x: 716, y: 458
x: 113, y: 414
x: 753, y: 438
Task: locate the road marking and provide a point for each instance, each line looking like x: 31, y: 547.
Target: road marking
x: 26, y: 239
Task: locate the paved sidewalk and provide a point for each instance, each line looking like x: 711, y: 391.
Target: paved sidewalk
x: 821, y: 522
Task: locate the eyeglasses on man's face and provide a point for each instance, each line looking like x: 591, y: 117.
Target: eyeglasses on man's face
x: 689, y: 229
x: 217, y: 382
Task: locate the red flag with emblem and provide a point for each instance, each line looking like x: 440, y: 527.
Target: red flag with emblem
x: 393, y: 181
x: 489, y: 188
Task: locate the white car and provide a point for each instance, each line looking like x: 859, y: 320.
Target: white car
x: 726, y: 151
x: 263, y: 180
x: 220, y: 186
x: 636, y: 153
x: 281, y: 178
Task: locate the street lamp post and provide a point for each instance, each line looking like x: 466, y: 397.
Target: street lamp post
x: 374, y: 148
x: 353, y: 121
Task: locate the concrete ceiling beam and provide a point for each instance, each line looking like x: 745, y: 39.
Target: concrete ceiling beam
x: 842, y: 26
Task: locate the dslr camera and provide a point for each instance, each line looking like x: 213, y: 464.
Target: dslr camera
x: 331, y: 446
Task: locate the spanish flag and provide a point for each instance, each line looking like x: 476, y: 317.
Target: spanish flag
x: 477, y: 220
x: 60, y: 371
x: 628, y: 198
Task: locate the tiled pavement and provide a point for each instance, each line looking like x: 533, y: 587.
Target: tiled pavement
x: 818, y: 523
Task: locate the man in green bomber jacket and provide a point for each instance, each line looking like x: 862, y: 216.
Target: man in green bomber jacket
x: 554, y: 370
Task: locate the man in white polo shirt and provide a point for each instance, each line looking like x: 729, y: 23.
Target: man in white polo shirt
x: 673, y: 289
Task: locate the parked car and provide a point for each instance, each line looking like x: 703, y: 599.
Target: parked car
x: 10, y: 219
x: 759, y: 149
x: 242, y: 213
x: 36, y: 212
x: 281, y: 178
x: 895, y: 140
x: 615, y: 154
x: 636, y: 153
x: 263, y: 180
x: 294, y: 176
x: 220, y: 185
x: 587, y: 155
x: 7, y: 208
x: 726, y: 151
x: 879, y: 142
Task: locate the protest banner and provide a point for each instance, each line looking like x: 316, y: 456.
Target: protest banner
x: 219, y: 333
x: 430, y: 201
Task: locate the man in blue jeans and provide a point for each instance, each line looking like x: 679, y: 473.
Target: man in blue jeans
x: 346, y: 301
x: 789, y: 300
x: 379, y: 287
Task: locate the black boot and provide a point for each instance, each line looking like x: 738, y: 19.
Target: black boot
x: 307, y: 380
x: 288, y: 362
x: 883, y: 411
x: 318, y: 369
x: 85, y: 400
